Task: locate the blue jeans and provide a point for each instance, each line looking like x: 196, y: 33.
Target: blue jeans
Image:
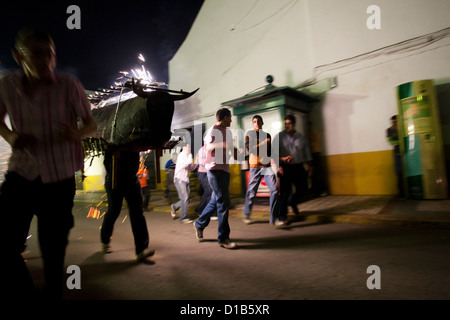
x: 256, y: 175
x: 219, y: 181
x: 184, y: 192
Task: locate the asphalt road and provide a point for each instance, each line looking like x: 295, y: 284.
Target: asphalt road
x: 307, y: 261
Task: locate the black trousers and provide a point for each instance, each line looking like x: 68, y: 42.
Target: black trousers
x: 293, y: 174
x: 207, y: 191
x: 130, y: 190
x: 20, y: 201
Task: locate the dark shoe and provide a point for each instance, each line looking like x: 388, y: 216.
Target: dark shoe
x: 147, y: 252
x: 106, y: 248
x: 227, y: 244
x: 295, y: 209
x: 198, y: 233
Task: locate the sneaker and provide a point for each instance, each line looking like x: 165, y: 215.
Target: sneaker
x: 198, y: 233
x: 227, y: 244
x: 281, y: 224
x: 186, y: 220
x: 247, y: 220
x: 147, y: 252
x: 214, y: 218
x: 173, y: 212
x: 106, y: 248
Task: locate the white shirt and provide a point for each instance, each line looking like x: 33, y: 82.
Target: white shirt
x: 184, y: 166
x: 218, y: 159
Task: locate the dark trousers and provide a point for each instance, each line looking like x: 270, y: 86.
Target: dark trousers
x: 206, y: 196
x: 146, y: 193
x: 293, y: 174
x: 399, y: 173
x: 132, y: 193
x: 20, y: 201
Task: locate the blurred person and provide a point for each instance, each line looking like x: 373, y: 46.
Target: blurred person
x: 258, y: 146
x: 143, y: 180
x: 219, y: 147
x: 294, y: 155
x: 170, y: 169
x: 121, y: 182
x: 49, y: 115
x: 200, y: 159
x: 392, y: 137
x: 182, y: 183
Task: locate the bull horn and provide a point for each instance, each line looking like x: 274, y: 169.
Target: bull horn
x: 183, y: 95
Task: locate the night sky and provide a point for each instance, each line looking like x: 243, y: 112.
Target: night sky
x: 111, y: 37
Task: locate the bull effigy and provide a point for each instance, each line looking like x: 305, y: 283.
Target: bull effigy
x: 140, y: 123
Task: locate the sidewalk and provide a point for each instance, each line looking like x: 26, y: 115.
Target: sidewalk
x: 331, y: 208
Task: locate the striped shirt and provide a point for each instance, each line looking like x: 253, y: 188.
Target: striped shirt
x: 63, y: 101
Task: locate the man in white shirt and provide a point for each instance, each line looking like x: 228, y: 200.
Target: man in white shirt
x: 219, y: 146
x: 181, y: 180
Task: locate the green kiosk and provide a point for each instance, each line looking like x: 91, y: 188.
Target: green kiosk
x: 272, y: 104
x: 422, y: 146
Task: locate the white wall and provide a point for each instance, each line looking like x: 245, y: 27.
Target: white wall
x: 232, y: 47
x: 339, y: 28
x: 356, y: 113
x: 234, y: 44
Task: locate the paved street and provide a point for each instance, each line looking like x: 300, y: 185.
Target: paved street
x: 309, y: 260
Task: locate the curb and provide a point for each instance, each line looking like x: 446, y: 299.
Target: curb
x: 319, y: 217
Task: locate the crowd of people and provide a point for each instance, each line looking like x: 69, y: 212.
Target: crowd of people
x: 289, y: 165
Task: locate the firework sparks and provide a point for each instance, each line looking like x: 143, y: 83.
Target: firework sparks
x: 93, y: 213
x: 140, y: 74
x: 143, y: 75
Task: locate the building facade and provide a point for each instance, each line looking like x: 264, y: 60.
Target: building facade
x: 349, y: 54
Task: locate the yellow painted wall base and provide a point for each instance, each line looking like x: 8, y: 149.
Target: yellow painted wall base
x: 367, y: 173
x: 235, y: 180
x: 94, y: 183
